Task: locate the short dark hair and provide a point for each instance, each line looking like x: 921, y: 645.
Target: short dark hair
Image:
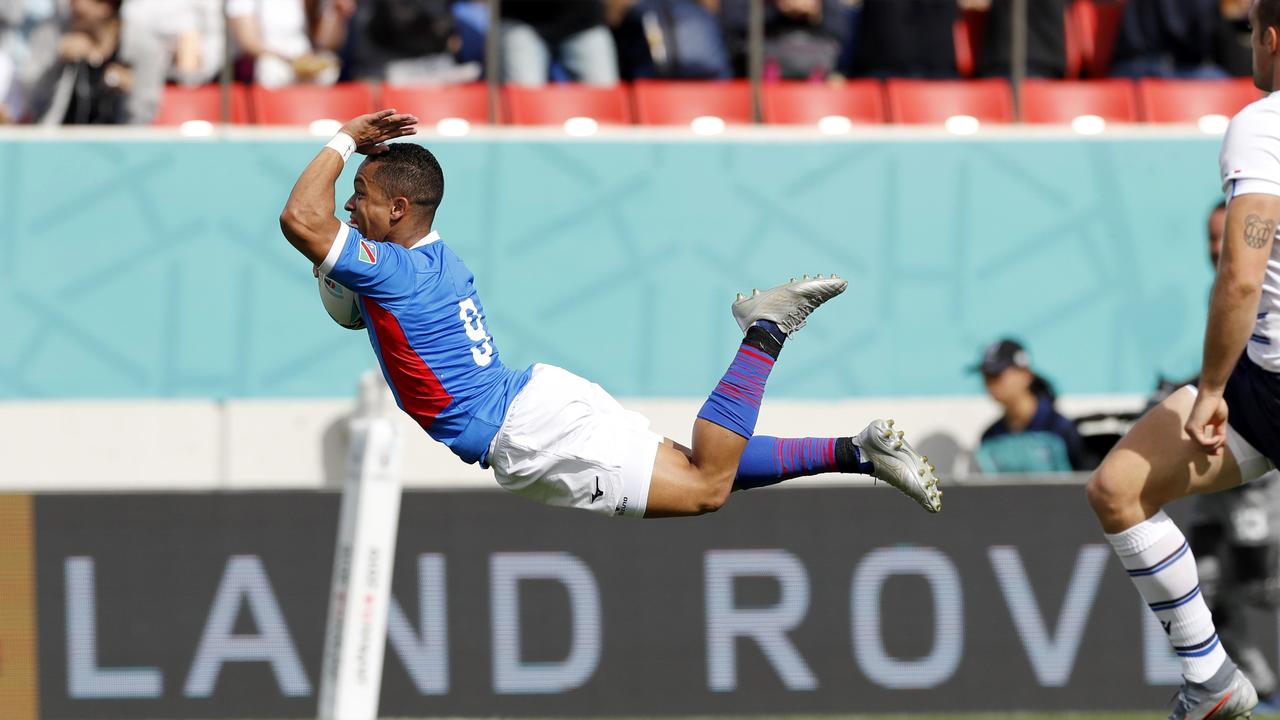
x: 410, y: 171
x: 1269, y: 14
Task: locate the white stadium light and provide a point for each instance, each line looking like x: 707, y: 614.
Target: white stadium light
x: 325, y: 127
x: 1089, y: 124
x: 835, y: 125
x: 453, y: 127
x: 962, y: 124
x: 581, y: 126
x: 707, y: 125
x: 196, y: 128
x: 1214, y: 124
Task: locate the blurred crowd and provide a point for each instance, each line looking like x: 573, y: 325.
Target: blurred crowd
x: 107, y: 61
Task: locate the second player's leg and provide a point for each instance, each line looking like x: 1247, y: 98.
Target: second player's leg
x: 1155, y: 463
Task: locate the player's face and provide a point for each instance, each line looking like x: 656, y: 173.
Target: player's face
x: 370, y: 210
x: 1217, y: 228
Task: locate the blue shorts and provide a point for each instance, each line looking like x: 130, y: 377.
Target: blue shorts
x: 1253, y: 407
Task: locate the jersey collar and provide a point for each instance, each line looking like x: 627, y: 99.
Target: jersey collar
x: 430, y: 238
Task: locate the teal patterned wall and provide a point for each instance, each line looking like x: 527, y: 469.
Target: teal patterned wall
x: 155, y: 268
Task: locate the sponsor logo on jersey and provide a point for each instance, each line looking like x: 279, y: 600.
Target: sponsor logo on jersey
x: 368, y: 253
x: 621, y: 509
x: 598, y: 493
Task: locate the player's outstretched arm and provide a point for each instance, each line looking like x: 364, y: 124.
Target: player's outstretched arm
x: 1251, y: 227
x: 308, y: 219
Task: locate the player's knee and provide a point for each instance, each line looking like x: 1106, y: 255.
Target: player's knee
x: 713, y: 501
x: 1107, y: 492
x: 715, y: 494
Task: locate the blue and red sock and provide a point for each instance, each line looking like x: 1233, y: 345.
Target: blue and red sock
x: 770, y: 460
x: 735, y: 403
x: 735, y: 406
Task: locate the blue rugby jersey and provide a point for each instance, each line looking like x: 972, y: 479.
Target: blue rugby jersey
x: 426, y: 325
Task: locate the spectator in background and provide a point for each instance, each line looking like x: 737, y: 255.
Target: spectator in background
x: 273, y: 34
x: 8, y: 89
x: 1046, y: 39
x: 10, y: 35
x: 20, y: 20
x: 76, y: 69
x: 1031, y: 437
x: 906, y: 38
x: 1168, y: 38
x: 570, y: 31
x: 178, y: 40
x: 804, y: 39
x: 1231, y: 45
x: 407, y: 42
x: 671, y: 39
x: 190, y: 32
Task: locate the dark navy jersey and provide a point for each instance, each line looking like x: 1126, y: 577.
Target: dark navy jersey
x: 1050, y: 443
x: 426, y: 325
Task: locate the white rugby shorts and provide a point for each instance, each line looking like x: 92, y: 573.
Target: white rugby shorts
x: 567, y: 442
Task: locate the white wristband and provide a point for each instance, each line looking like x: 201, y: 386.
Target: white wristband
x: 343, y: 144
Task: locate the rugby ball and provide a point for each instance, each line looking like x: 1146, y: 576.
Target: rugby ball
x: 340, y: 303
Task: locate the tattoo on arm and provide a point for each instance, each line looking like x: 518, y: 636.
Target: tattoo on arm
x: 1258, y: 231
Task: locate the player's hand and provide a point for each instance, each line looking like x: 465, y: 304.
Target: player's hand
x: 1207, y: 424
x: 371, y: 132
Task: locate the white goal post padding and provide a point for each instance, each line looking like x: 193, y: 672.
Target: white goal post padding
x: 356, y: 630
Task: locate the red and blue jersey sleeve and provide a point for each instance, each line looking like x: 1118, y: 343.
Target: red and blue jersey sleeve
x: 379, y: 270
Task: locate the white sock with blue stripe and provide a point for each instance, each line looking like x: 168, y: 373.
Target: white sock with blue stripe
x: 1161, y: 565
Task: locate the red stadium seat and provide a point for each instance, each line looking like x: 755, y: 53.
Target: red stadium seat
x: 933, y: 101
x: 1061, y: 101
x: 433, y: 103
x: 675, y: 102
x: 179, y: 104
x: 553, y: 104
x: 301, y: 104
x: 805, y: 103
x: 1172, y: 101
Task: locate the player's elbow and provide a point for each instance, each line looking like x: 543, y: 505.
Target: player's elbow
x: 290, y: 222
x: 1240, y: 288
x: 298, y: 223
x: 293, y: 220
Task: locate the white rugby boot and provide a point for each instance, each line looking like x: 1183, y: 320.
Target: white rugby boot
x: 898, y: 464
x: 787, y: 305
x: 1235, y: 697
